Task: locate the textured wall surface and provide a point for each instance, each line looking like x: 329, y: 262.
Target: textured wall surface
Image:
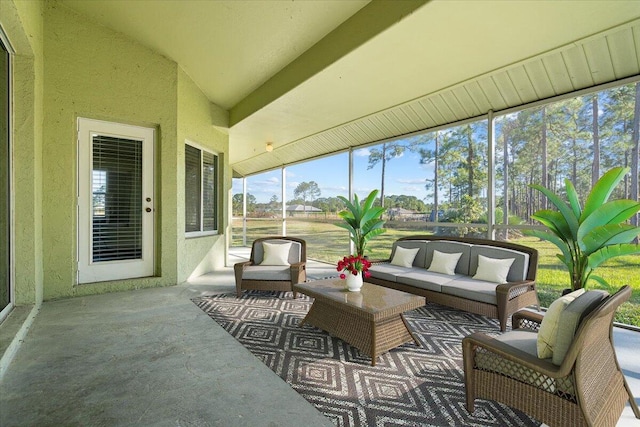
x: 96, y: 73
x: 65, y: 67
x: 22, y: 22
x: 198, y: 255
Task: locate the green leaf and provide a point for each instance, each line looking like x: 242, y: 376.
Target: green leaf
x: 555, y: 222
x: 599, y: 280
x: 572, y: 196
x: 613, y: 212
x: 368, y: 203
x: 552, y: 238
x: 565, y: 210
x: 612, y: 251
x: 602, y: 190
x: 609, y: 234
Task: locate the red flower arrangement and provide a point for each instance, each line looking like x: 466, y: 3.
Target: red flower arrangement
x: 354, y: 264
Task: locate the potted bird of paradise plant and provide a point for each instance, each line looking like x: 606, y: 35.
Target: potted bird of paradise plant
x: 363, y: 221
x: 590, y: 235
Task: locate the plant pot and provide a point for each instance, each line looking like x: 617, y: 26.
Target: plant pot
x: 354, y: 282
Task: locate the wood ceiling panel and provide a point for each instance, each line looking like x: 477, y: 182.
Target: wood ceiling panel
x: 470, y: 107
x: 412, y: 115
x: 507, y: 89
x: 522, y: 83
x: 441, y: 106
x: 477, y: 94
x: 432, y: 111
x: 623, y: 52
x: 636, y: 42
x: 558, y: 73
x: 494, y: 95
x: 577, y: 67
x: 540, y: 79
x: 458, y: 111
x: 599, y: 59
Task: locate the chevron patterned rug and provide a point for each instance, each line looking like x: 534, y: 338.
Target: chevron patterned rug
x: 409, y: 386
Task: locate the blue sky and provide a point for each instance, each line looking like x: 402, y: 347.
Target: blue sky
x: 404, y: 175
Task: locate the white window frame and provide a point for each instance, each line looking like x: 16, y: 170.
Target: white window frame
x: 200, y: 233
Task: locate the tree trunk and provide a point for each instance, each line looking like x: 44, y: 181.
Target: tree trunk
x: 505, y: 192
x: 470, y: 159
x: 543, y: 149
x: 384, y: 164
x: 595, y: 168
x: 435, y: 180
x: 634, y: 154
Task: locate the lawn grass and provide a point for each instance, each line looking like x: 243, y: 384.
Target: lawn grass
x: 329, y: 243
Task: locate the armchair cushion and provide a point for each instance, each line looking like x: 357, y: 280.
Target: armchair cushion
x: 570, y: 320
x: 548, y: 332
x: 294, y: 256
x: 526, y: 341
x: 267, y: 272
x: 276, y: 253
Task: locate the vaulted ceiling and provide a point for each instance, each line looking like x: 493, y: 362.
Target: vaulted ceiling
x: 314, y: 77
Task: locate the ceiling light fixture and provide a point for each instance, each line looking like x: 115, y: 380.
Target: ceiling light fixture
x: 269, y: 147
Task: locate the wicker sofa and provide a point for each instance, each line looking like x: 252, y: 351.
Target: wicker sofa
x: 457, y: 287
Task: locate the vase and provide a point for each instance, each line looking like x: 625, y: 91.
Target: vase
x: 354, y: 282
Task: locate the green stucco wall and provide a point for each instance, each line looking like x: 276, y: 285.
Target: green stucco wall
x: 93, y: 72
x: 22, y: 22
x: 66, y: 67
x: 198, y: 255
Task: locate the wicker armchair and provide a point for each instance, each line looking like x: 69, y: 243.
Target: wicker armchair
x: 586, y: 388
x: 260, y: 273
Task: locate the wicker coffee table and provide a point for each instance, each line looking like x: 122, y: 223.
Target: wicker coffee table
x: 370, y: 320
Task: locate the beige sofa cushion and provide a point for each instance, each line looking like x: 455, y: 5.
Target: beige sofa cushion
x: 518, y: 270
x: 403, y: 257
x: 421, y: 245
x: 493, y: 269
x: 444, y: 263
x: 423, y: 279
x: 450, y: 247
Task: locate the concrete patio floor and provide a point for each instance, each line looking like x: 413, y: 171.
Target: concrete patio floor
x: 151, y: 357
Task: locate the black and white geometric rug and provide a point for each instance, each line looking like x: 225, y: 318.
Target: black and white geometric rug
x: 409, y: 386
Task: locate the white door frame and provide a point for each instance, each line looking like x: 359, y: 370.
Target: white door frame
x: 88, y: 270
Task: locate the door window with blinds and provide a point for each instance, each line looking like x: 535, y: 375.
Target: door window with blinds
x: 201, y: 194
x: 115, y: 201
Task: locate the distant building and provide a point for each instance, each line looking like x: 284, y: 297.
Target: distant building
x: 301, y: 209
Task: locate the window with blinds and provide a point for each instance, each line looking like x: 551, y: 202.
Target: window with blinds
x: 116, y: 199
x: 201, y: 193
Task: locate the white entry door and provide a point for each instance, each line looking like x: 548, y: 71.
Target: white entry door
x: 115, y: 201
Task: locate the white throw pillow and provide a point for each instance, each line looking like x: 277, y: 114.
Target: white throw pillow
x: 444, y: 263
x: 276, y: 253
x: 403, y: 257
x: 548, y: 332
x: 493, y: 270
